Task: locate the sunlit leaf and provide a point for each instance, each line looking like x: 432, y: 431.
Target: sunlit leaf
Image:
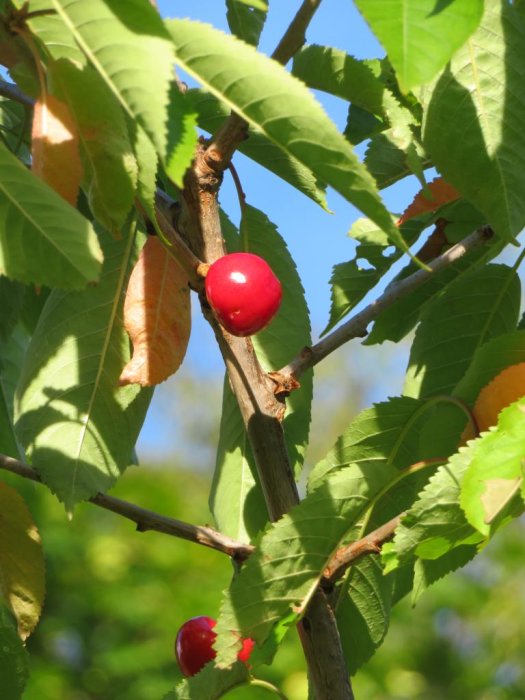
x: 127, y: 45
x: 420, y: 36
x: 496, y: 473
x: 77, y: 425
x: 281, y: 107
x: 110, y: 169
x: 64, y: 248
x: 212, y: 113
x: 474, y: 116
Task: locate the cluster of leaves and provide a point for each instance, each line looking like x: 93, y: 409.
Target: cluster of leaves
x: 108, y: 125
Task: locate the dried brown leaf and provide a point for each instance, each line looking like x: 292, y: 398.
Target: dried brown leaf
x: 437, y: 193
x: 157, y: 316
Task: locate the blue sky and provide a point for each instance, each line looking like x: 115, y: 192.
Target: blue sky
x: 317, y: 240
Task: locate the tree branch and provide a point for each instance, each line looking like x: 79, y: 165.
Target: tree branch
x: 356, y: 327
x: 13, y: 92
x: 147, y: 519
x: 295, y: 35
x: 345, y: 556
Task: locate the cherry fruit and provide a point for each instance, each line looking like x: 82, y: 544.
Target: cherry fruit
x: 243, y: 292
x: 194, y: 645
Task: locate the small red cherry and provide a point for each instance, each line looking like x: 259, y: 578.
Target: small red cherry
x: 194, y: 645
x: 243, y: 292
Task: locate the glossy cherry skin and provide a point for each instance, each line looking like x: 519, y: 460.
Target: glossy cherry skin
x: 243, y: 292
x: 194, y: 645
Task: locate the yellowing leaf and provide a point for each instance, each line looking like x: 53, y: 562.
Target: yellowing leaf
x: 156, y: 316
x: 22, y: 574
x: 437, y: 193
x: 55, y: 147
x: 498, y: 493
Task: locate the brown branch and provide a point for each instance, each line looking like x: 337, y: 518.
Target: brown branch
x: 147, y: 519
x: 350, y: 553
x: 356, y: 327
x: 295, y: 35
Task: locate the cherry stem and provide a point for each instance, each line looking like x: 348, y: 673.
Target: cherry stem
x: 259, y: 683
x: 238, y: 186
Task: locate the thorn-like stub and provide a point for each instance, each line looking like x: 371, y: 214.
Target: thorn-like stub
x: 284, y: 384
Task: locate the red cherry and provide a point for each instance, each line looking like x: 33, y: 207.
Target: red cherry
x: 243, y: 292
x: 194, y: 645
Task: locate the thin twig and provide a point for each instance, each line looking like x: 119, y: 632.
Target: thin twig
x: 349, y: 554
x: 356, y: 327
x: 147, y: 519
x: 13, y: 92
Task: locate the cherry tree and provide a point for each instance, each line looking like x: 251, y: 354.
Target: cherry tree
x: 111, y: 228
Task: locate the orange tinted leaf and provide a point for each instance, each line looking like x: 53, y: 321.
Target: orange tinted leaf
x: 55, y: 147
x: 440, y: 193
x: 156, y: 316
x: 22, y: 576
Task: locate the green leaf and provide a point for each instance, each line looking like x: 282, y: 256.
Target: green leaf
x: 77, y: 425
x: 64, y: 248
x: 352, y: 280
x: 15, y: 120
x: 12, y: 352
x: 338, y: 73
x: 496, y: 473
x: 428, y: 571
x: 128, y: 46
x: 436, y: 523
x: 476, y: 307
x: 22, y: 568
x: 474, y: 116
x: 14, y: 661
x: 182, y: 135
x: 211, y: 683
x: 110, y: 168
x: 361, y: 125
x: 363, y: 612
x: 246, y: 19
x: 420, y: 36
x: 270, y: 99
x: 280, y: 577
x: 147, y: 162
x: 386, y: 158
x: 53, y: 32
x: 236, y: 498
x: 212, y: 113
x: 379, y: 429
x: 11, y: 301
